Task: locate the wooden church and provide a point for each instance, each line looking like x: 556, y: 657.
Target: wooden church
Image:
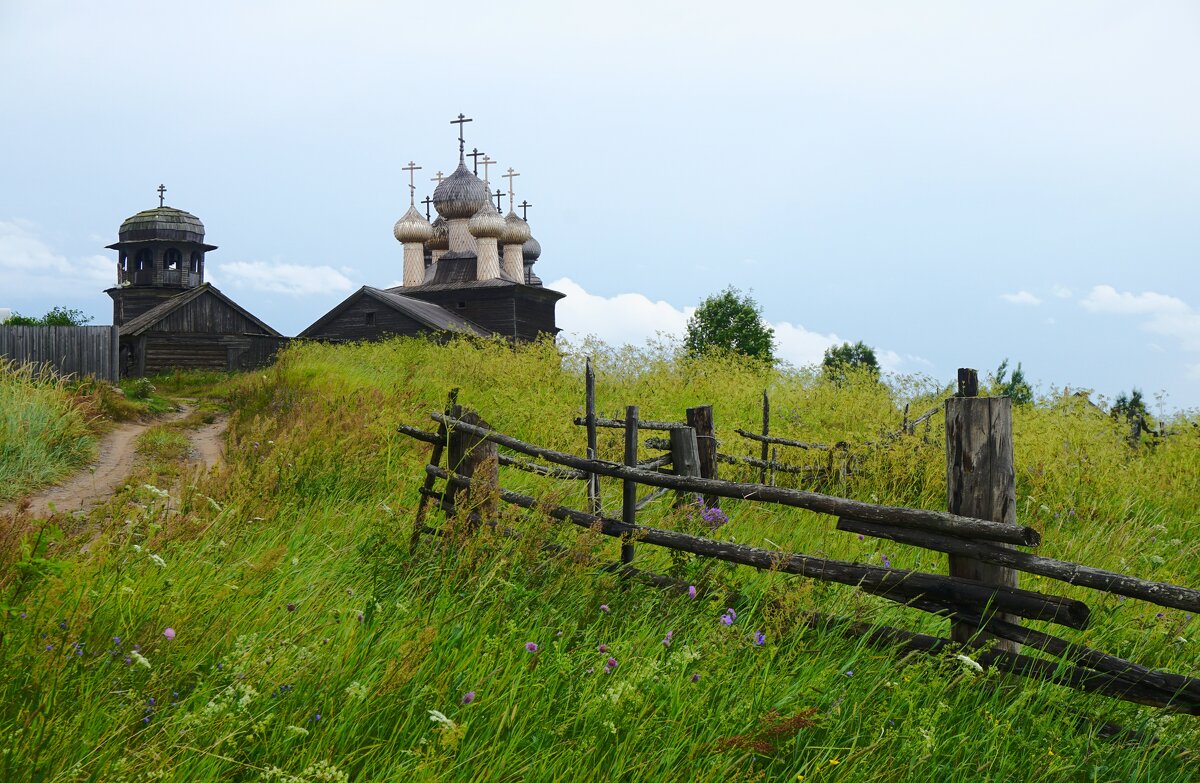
x: 168, y: 317
x: 470, y: 271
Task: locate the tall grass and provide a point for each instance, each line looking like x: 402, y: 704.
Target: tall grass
x: 43, y: 430
x: 270, y: 622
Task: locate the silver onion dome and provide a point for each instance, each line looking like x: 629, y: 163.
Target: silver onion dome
x: 413, y: 227
x: 486, y: 223
x: 460, y: 195
x: 516, y: 231
x: 441, y: 235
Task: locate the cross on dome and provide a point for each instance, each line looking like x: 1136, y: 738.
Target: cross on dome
x: 438, y: 178
x: 487, y: 162
x: 475, y: 155
x: 499, y: 194
x: 511, y: 195
x: 427, y: 202
x: 161, y: 190
x: 525, y: 205
x: 411, y: 168
x: 462, y: 144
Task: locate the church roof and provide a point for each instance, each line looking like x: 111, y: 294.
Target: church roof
x: 460, y: 195
x: 166, y: 223
x: 427, y: 313
x: 155, y: 314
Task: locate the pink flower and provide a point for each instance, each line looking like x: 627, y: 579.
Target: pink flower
x: 604, y: 607
x: 532, y: 647
x: 691, y: 591
x: 169, y: 633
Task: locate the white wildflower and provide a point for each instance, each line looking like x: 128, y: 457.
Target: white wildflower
x: 356, y: 690
x: 1156, y: 560
x: 438, y: 717
x: 137, y: 548
x: 969, y: 664
x: 299, y: 731
x: 158, y: 561
x: 153, y: 490
x: 139, y: 659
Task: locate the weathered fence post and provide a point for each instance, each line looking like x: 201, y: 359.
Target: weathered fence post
x: 473, y: 457
x: 629, y: 486
x: 435, y: 458
x: 980, y: 482
x: 766, y: 430
x: 685, y: 458
x: 593, y: 483
x: 700, y: 419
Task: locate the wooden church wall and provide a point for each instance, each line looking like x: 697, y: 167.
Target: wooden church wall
x: 368, y: 319
x: 206, y: 314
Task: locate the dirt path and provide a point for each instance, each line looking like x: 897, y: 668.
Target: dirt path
x: 116, y: 455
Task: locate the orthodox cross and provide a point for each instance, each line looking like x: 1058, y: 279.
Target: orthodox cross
x: 475, y: 156
x: 427, y: 202
x: 161, y: 190
x: 411, y: 168
x: 499, y: 194
x: 487, y: 162
x: 510, y: 176
x: 462, y: 144
x: 525, y: 205
x: 439, y: 177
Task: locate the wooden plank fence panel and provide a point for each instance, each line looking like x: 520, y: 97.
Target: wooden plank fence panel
x: 66, y: 350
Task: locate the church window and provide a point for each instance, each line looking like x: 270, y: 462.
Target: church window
x: 195, y: 265
x: 145, y: 257
x: 172, y: 259
x: 124, y: 265
x: 370, y: 319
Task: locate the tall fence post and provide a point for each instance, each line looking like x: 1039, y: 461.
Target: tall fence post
x: 629, y: 486
x: 474, y: 457
x: 593, y: 482
x: 766, y: 430
x: 700, y: 419
x: 685, y: 458
x: 980, y: 483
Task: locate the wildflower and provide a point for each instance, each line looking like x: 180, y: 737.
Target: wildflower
x: 531, y: 646
x: 468, y: 697
x: 609, y: 665
x: 298, y: 731
x: 887, y: 561
x: 760, y: 638
x: 139, y: 658
x: 602, y: 648
x: 696, y: 677
x: 158, y: 561
x: 833, y: 762
x: 117, y: 640
x: 438, y: 717
x: 62, y: 624
x: 170, y: 634
x: 23, y: 615
x: 667, y: 639
x: 604, y: 608
x: 291, y: 607
x: 728, y: 617
x: 589, y: 670
x: 714, y: 517
x: 360, y: 617
x: 861, y: 537
x: 969, y: 664
x: 692, y: 591
x: 849, y: 672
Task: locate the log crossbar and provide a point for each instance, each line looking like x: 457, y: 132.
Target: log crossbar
x: 619, y: 424
x: 897, y: 584
x: 938, y: 521
x: 789, y: 442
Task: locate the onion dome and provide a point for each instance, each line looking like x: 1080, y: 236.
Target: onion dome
x: 441, y: 235
x: 460, y: 195
x: 531, y: 249
x: 516, y: 231
x: 162, y: 223
x: 486, y: 223
x: 413, y: 227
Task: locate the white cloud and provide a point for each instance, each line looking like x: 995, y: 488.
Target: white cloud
x: 1162, y: 314
x: 796, y: 345
x: 1021, y: 298
x: 281, y: 278
x: 28, y: 266
x: 1062, y: 292
x: 617, y: 320
x: 5, y: 313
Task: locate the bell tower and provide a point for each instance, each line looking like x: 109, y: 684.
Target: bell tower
x: 160, y: 253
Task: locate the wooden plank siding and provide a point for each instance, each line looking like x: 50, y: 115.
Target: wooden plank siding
x: 353, y: 324
x: 206, y: 315
x: 67, y: 350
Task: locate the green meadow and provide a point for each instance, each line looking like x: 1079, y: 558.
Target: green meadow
x: 269, y: 621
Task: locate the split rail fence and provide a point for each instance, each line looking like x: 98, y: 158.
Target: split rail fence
x: 980, y: 596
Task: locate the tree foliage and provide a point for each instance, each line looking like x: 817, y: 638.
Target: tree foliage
x: 846, y: 359
x: 1014, y: 386
x: 58, y: 316
x: 730, y: 321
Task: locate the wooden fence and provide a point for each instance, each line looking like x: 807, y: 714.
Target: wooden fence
x: 980, y: 595
x: 67, y: 350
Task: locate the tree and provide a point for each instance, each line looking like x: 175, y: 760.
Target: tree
x: 1015, y: 386
x: 730, y: 321
x: 58, y: 316
x: 846, y: 359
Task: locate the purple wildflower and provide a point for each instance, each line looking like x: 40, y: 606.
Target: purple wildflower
x: 692, y: 591
x: 531, y: 646
x: 849, y: 672
x: 728, y: 617
x: 170, y: 634
x: 696, y: 677
x: 887, y: 561
x: 604, y: 607
x: 609, y: 665
x: 468, y: 697
x: 291, y: 607
x: 667, y: 639
x: 602, y: 648
x: 714, y: 517
x: 861, y: 537
x: 760, y: 638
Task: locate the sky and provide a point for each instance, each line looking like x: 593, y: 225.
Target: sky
x: 953, y: 183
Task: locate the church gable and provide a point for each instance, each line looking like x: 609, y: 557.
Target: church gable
x: 209, y: 314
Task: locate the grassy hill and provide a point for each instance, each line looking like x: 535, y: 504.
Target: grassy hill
x: 269, y: 622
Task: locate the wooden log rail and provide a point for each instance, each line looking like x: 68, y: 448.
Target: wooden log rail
x: 936, y: 521
x: 1158, y: 593
x: 643, y: 424
x: 504, y: 459
x: 789, y: 442
x: 897, y: 584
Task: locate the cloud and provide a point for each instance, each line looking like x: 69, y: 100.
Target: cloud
x: 1162, y: 314
x: 281, y: 278
x: 798, y: 346
x: 1062, y: 292
x: 1021, y: 298
x: 28, y: 267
